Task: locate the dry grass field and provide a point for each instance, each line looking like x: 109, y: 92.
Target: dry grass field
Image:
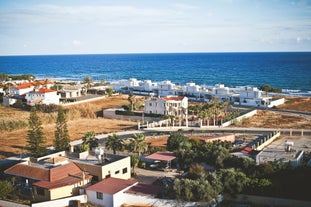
x: 82, y: 118
x: 297, y: 103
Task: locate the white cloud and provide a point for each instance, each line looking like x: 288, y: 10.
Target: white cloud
x: 298, y: 39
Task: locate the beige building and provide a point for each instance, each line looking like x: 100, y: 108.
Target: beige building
x: 58, y: 175
x: 49, y: 179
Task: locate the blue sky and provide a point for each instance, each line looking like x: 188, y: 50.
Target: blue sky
x: 145, y: 26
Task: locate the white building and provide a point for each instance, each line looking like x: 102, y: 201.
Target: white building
x: 148, y: 85
x: 252, y: 96
x: 21, y: 89
x: 69, y: 91
x: 191, y: 89
x: 109, y: 192
x: 42, y: 96
x: 131, y: 83
x: 167, y: 88
x: 169, y: 105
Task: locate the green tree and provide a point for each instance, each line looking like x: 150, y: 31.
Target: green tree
x: 36, y: 139
x: 181, y: 146
x: 61, y: 140
x: 233, y: 181
x: 196, y: 171
x: 134, y: 162
x: 90, y: 140
x: 138, y: 143
x: 114, y: 142
x: 175, y: 139
x: 131, y: 99
x: 88, y: 80
x: 109, y: 91
x: 6, y: 189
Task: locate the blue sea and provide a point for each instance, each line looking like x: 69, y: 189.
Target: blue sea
x: 290, y: 71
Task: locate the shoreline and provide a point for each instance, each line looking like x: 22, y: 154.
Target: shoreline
x: 285, y: 92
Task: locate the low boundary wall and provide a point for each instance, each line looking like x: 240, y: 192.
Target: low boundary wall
x: 238, y: 119
x: 62, y: 202
x: 267, y: 201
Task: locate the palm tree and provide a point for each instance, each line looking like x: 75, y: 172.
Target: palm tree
x: 134, y: 162
x: 131, y: 99
x: 114, y: 142
x: 90, y: 140
x: 138, y: 143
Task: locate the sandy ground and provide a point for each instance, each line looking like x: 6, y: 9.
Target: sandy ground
x: 14, y: 142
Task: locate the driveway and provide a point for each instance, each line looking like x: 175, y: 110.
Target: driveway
x: 149, y: 176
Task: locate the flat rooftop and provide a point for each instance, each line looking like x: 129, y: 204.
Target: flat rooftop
x: 276, y: 150
x: 55, y: 160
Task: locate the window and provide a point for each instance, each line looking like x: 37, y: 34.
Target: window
x: 99, y: 195
x: 150, y: 104
x: 124, y: 170
x: 117, y: 172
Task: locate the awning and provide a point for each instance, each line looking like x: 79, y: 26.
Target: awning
x: 162, y: 156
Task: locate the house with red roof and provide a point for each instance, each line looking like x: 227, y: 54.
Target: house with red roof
x: 109, y: 192
x: 49, y: 179
x: 42, y: 96
x: 168, y: 105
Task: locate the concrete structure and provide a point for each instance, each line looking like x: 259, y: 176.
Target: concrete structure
x: 108, y: 165
x: 169, y: 105
x: 280, y: 152
x: 42, y: 96
x: 70, y: 92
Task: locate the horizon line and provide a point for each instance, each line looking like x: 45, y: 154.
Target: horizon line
x: 146, y: 53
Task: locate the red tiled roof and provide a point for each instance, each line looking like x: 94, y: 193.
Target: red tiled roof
x: 28, y: 85
x: 28, y: 171
x: 247, y: 150
x: 145, y: 189
x: 111, y: 185
x: 24, y: 85
x: 163, y: 156
x: 43, y: 90
x: 173, y: 98
x: 69, y: 180
x: 64, y: 171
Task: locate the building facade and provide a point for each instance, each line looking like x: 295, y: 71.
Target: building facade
x: 169, y: 105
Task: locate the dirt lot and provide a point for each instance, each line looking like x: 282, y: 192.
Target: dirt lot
x: 83, y: 119
x: 13, y: 142
x: 297, y: 103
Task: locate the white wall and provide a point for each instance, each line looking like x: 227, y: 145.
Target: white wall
x: 142, y: 199
x: 276, y: 102
x: 61, y: 202
x: 107, y: 200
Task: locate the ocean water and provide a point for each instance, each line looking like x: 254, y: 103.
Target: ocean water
x: 289, y: 71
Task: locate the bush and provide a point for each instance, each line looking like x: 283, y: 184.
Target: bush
x: 12, y: 125
x: 6, y: 189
